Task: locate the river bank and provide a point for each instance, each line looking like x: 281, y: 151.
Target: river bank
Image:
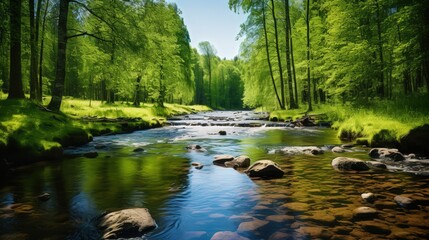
x: 403, y: 125
x: 31, y: 133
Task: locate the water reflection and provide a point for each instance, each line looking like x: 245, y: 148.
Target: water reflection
x: 195, y: 204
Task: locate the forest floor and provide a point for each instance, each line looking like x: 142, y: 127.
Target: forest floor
x: 378, y: 123
x: 28, y: 129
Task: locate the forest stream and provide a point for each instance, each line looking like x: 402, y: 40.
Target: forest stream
x: 152, y: 169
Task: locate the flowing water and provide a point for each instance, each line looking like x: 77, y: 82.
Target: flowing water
x: 311, y: 201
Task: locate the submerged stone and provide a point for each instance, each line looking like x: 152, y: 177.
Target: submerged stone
x: 128, y: 223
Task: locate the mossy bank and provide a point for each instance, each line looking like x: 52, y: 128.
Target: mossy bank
x: 30, y: 133
x: 402, y: 124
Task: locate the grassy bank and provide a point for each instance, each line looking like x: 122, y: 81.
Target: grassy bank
x: 377, y: 123
x: 29, y: 132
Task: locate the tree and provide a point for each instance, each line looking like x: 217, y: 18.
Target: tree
x: 15, y: 77
x: 208, y: 52
x: 310, y: 108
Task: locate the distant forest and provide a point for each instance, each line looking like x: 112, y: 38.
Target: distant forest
x: 294, y: 54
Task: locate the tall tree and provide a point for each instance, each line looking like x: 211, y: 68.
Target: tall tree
x: 208, y: 52
x: 310, y: 108
x: 15, y: 77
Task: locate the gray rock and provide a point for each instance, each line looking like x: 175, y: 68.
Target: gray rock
x: 364, y: 213
x: 128, y: 223
x: 368, y: 197
x: 338, y: 150
x: 348, y: 145
x: 265, y: 169
x: 221, y: 159
x: 406, y: 202
x: 349, y: 164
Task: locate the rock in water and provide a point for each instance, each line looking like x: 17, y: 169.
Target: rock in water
x: 227, y: 235
x: 128, y: 223
x: 223, y: 133
x: 364, y: 213
x: 337, y: 150
x: 390, y: 153
x: 349, y: 164
x: 417, y: 140
x: 239, y: 162
x: 368, y: 197
x: 406, y: 202
x: 265, y: 169
x: 221, y: 159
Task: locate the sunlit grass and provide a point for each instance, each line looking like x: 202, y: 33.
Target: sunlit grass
x: 386, y: 120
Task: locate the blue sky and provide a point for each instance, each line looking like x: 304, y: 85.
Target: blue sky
x: 211, y: 20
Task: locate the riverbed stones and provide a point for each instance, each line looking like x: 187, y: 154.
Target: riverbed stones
x: 127, y: 223
x: 313, y: 232
x: 266, y: 169
x: 349, y: 164
x: 405, y: 202
x: 368, y: 197
x: 221, y: 159
x: 280, y: 218
x: 253, y: 225
x: 228, y: 235
x: 364, y: 213
x: 375, y: 227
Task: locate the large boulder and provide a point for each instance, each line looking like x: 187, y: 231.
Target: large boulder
x: 127, y: 223
x: 349, y: 164
x: 221, y: 159
x: 416, y: 141
x: 265, y: 169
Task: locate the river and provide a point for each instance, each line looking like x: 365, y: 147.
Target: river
x: 311, y: 201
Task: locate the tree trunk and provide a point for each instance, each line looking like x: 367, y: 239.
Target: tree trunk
x: 288, y: 55
x: 279, y: 60
x: 15, y: 75
x: 380, y: 50
x: 293, y: 68
x: 137, y: 94
x: 310, y: 108
x: 42, y: 43
x: 268, y: 57
x: 33, y: 54
x: 58, y: 88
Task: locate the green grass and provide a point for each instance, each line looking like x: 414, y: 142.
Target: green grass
x: 28, y: 129
x: 380, y: 123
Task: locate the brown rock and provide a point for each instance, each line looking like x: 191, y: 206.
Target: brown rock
x: 280, y: 218
x: 375, y: 227
x: 279, y: 236
x: 321, y: 217
x: 128, y: 223
x: 251, y: 225
x: 314, y: 232
x: 296, y: 206
x: 364, y: 213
